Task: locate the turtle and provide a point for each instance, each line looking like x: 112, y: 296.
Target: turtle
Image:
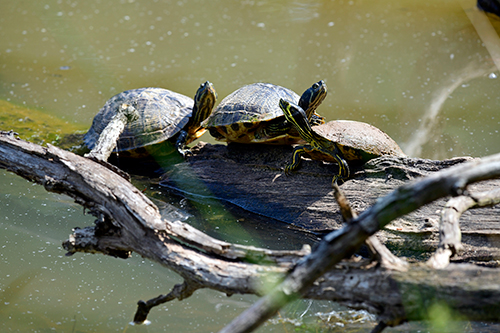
x: 251, y: 114
x: 162, y: 115
x: 339, y: 141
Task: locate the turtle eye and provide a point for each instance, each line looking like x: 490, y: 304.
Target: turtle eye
x: 315, y: 86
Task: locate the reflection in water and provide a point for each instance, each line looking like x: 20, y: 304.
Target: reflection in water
x: 12, y: 292
x: 472, y: 70
x: 429, y: 120
x: 486, y: 31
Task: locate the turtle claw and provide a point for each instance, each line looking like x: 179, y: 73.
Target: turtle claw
x: 185, y: 152
x: 338, y: 180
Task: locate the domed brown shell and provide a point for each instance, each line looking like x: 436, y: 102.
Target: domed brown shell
x: 359, y: 141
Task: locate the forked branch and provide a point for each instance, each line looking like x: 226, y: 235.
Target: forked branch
x: 342, y: 243
x: 450, y: 236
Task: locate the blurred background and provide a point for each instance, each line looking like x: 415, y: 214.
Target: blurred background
x: 425, y: 72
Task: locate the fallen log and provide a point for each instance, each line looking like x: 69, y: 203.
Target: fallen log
x: 129, y: 221
x: 252, y: 178
x: 342, y: 243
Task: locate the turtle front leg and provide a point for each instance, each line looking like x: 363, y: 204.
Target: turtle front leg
x: 180, y: 144
x: 298, y: 151
x: 344, y: 171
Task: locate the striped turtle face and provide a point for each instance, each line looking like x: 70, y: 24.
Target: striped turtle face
x: 318, y: 147
x: 204, y: 102
x: 313, y: 97
x: 298, y: 118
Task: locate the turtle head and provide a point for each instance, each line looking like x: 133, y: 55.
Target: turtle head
x: 312, y: 98
x: 204, y: 102
x: 295, y: 115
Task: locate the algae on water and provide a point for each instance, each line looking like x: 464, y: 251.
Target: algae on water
x: 38, y: 127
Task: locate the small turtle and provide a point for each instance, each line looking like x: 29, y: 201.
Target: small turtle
x: 337, y: 141
x: 251, y: 114
x: 162, y: 115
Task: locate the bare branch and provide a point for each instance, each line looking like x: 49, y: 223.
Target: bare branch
x: 342, y: 243
x: 379, y: 250
x: 449, y: 231
x: 180, y: 291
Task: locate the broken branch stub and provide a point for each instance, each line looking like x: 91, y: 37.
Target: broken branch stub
x: 450, y: 236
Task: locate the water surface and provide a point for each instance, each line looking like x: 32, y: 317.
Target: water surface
x: 419, y: 70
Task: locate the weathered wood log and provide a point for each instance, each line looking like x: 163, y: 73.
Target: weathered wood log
x: 128, y: 221
x: 339, y: 244
x: 253, y: 178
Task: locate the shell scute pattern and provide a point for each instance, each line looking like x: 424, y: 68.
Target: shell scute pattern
x: 250, y: 104
x: 162, y: 114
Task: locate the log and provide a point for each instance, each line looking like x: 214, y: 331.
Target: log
x: 253, y: 179
x: 128, y: 221
x: 339, y: 244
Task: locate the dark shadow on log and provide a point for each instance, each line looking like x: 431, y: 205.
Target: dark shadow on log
x: 252, y: 178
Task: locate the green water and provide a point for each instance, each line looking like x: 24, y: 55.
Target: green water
x: 419, y: 70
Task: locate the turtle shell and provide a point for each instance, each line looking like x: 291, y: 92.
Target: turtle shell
x: 162, y: 114
x: 239, y: 114
x: 359, y: 141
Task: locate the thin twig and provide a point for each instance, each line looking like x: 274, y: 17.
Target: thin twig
x: 380, y: 252
x: 180, y: 291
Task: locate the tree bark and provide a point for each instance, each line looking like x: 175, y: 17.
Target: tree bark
x: 128, y: 221
x: 342, y: 243
x: 252, y: 178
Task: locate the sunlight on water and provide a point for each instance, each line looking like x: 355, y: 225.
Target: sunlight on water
x: 383, y: 63
x: 430, y: 119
